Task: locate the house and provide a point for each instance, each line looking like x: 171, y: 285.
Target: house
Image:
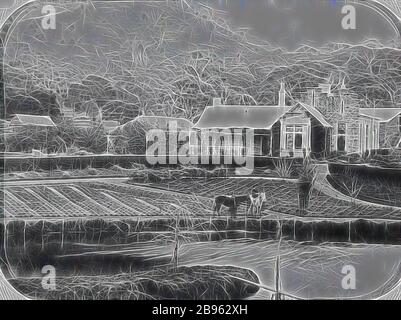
x: 21, y: 121
x: 389, y: 120
x: 36, y: 130
x: 5, y: 127
x: 321, y: 121
x: 109, y: 125
x: 83, y: 121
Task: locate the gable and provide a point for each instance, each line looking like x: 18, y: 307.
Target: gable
x: 313, y: 112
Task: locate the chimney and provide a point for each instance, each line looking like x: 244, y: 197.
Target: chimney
x: 325, y: 88
x: 216, y: 102
x: 281, y: 95
x: 343, y: 86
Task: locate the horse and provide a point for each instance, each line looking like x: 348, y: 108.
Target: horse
x: 257, y: 201
x: 254, y: 199
x: 230, y: 202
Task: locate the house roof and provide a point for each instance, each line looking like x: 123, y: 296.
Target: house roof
x: 315, y: 113
x: 31, y: 120
x: 160, y: 122
x: 110, y: 123
x: 254, y: 117
x: 82, y: 117
x: 382, y: 114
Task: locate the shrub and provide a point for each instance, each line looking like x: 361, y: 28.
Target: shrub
x: 306, y: 180
x: 307, y: 172
x: 284, y: 168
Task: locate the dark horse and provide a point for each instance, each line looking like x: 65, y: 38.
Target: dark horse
x: 231, y: 203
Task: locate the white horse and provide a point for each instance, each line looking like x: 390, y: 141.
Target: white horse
x: 257, y: 203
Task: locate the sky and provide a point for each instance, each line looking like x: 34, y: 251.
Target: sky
x: 6, y: 3
x: 290, y: 23
x: 282, y: 23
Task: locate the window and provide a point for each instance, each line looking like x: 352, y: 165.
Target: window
x: 399, y: 123
x: 367, y: 136
x: 342, y: 109
x: 341, y: 143
x: 289, y: 140
x: 341, y: 136
x: 298, y: 141
x: 313, y: 98
x: 341, y: 128
x: 375, y: 138
x: 361, y: 147
x: 238, y: 144
x: 293, y: 137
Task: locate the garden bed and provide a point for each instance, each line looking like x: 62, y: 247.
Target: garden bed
x: 376, y: 185
x: 183, y: 283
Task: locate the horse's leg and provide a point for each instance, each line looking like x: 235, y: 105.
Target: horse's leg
x: 218, y: 207
x: 252, y: 206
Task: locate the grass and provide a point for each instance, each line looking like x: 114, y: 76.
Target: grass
x: 182, y: 283
x: 282, y: 196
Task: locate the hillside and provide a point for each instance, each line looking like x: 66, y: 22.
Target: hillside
x: 172, y: 59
